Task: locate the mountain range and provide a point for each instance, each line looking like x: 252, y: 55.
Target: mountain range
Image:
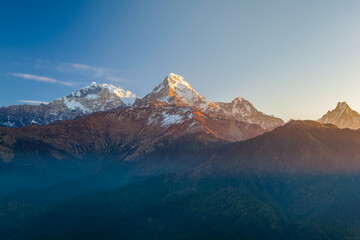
x: 132, y: 129
x: 105, y: 122
x: 175, y: 165
x: 299, y: 181
x: 174, y: 90
x: 90, y: 99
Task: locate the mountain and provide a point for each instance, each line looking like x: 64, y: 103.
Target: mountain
x: 123, y: 134
x: 174, y: 90
x: 285, y: 207
x: 125, y: 172
x: 173, y: 109
x: 93, y: 98
x: 299, y: 147
x: 342, y: 116
x: 134, y: 141
x: 299, y: 181
x: 243, y: 110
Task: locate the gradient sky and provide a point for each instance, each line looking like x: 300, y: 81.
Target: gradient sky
x: 293, y: 59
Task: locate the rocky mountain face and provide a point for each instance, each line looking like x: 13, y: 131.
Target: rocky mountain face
x: 243, y: 110
x: 174, y: 90
x: 124, y: 134
x: 90, y: 99
x: 125, y: 131
x: 181, y: 154
x: 342, y: 116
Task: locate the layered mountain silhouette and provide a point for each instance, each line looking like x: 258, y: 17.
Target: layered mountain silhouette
x: 298, y: 147
x: 299, y: 181
x: 173, y: 109
x: 176, y: 165
x: 126, y: 133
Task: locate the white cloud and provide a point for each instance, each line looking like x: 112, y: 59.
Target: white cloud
x: 105, y: 74
x: 41, y: 78
x: 115, y: 79
x: 80, y: 66
x: 33, y: 101
x: 84, y: 69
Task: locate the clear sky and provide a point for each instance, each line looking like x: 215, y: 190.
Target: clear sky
x: 293, y: 59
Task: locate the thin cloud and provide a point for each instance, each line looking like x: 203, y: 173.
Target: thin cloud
x: 95, y: 72
x: 115, y: 79
x: 80, y: 66
x: 32, y: 101
x: 41, y: 78
x: 107, y: 74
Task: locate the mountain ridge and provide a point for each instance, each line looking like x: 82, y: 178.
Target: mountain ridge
x: 129, y: 133
x: 92, y: 98
x: 173, y: 90
x: 298, y: 147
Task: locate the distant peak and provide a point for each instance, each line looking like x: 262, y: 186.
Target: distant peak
x: 172, y: 82
x: 342, y: 104
x: 119, y: 91
x: 96, y: 88
x: 175, y: 79
x: 175, y: 90
x: 175, y: 75
x: 240, y: 99
x: 342, y: 116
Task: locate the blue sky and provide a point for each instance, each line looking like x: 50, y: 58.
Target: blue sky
x: 293, y: 59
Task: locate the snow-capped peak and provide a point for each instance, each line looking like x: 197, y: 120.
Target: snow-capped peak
x: 240, y: 99
x: 177, y: 80
x: 173, y: 81
x: 238, y: 107
x: 243, y: 110
x: 119, y: 91
x: 94, y: 98
x: 244, y: 106
x: 175, y: 90
x: 126, y: 96
x: 112, y: 89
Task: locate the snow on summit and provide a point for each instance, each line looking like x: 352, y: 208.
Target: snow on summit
x: 95, y: 90
x: 96, y: 97
x: 125, y: 95
x: 118, y: 91
x: 175, y: 90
